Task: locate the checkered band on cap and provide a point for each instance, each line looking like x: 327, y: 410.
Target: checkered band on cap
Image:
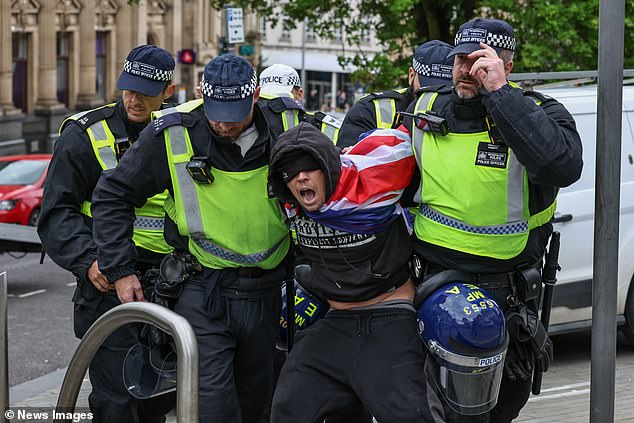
x: 147, y: 71
x: 421, y: 68
x: 221, y: 93
x: 476, y: 35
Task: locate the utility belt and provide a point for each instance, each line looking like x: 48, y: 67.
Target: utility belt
x: 525, y: 282
x: 252, y: 272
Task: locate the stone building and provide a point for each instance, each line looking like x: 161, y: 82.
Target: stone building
x: 61, y: 56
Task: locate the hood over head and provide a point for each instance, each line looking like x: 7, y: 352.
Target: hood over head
x: 288, y: 153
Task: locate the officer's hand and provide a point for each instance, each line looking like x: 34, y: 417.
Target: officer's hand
x: 98, y: 279
x: 129, y: 289
x: 540, y: 343
x: 518, y: 363
x: 488, y: 69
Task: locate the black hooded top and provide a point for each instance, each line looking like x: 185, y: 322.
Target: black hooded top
x: 349, y: 267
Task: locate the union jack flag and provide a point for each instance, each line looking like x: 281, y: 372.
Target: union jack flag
x: 374, y: 174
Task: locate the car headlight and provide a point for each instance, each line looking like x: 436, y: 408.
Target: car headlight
x: 8, y: 204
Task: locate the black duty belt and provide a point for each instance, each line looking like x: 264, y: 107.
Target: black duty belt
x: 251, y: 272
x: 484, y: 280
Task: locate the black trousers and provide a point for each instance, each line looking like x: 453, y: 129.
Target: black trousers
x: 352, y: 358
x: 235, y: 320
x: 357, y: 415
x: 109, y: 400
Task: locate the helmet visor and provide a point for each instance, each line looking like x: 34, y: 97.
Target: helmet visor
x: 469, y: 385
x: 470, y: 391
x: 147, y: 373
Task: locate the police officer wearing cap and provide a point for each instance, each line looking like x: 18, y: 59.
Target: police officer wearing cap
x: 281, y: 96
x: 430, y: 66
x: 212, y: 157
x: 490, y: 172
x: 89, y: 143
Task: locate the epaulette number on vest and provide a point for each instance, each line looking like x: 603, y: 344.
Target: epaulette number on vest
x: 165, y: 121
x: 94, y: 116
x: 386, y: 94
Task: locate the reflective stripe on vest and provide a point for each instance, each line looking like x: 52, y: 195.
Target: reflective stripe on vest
x: 330, y: 131
x: 150, y: 218
x: 385, y: 109
x: 475, y: 209
x: 290, y: 119
x: 330, y: 126
x: 224, y: 231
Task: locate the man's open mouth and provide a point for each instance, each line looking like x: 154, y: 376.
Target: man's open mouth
x: 307, y: 194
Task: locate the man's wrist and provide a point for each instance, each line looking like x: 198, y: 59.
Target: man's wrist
x: 118, y: 273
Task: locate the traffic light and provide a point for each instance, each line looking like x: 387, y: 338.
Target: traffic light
x: 187, y: 56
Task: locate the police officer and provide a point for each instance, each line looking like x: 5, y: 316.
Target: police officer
x: 430, y: 66
x: 281, y: 96
x: 212, y: 156
x: 89, y: 143
x: 489, y: 179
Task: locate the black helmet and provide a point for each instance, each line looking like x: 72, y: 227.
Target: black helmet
x: 149, y: 371
x: 465, y: 332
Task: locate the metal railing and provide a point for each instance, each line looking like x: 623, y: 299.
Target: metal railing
x: 4, y: 348
x: 164, y: 319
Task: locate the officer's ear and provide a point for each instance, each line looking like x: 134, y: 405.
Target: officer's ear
x: 168, y: 91
x: 411, y: 75
x: 256, y: 94
x: 508, y: 66
x: 298, y: 93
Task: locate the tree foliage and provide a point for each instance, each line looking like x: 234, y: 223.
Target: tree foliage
x: 553, y: 35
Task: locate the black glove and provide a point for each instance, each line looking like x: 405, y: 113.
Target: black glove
x: 529, y: 343
x: 150, y: 334
x: 518, y: 363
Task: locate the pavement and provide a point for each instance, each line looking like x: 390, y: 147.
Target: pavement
x: 565, y: 395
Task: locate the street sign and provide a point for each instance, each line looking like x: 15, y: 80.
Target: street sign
x: 235, y: 25
x: 247, y: 50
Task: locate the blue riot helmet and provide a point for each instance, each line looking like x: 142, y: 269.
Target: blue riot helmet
x: 150, y: 370
x: 308, y: 309
x: 464, y: 330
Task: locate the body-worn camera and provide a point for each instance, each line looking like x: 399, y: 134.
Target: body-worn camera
x: 200, y: 170
x: 428, y: 122
x: 121, y: 145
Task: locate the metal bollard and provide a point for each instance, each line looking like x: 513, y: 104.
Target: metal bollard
x: 4, y: 348
x: 164, y: 319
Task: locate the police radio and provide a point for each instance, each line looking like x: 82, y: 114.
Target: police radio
x: 121, y: 145
x: 428, y: 122
x: 200, y: 170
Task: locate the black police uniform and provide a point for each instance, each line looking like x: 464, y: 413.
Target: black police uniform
x: 362, y: 115
x: 274, y: 107
x: 67, y: 238
x: 545, y: 141
x: 233, y: 311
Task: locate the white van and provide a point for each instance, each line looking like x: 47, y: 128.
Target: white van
x: 572, y: 301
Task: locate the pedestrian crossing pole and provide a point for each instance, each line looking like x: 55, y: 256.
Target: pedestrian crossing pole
x: 606, y: 220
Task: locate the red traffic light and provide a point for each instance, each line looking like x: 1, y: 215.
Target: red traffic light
x: 187, y: 56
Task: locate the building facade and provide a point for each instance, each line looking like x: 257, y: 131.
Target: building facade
x: 58, y: 57
x: 61, y: 56
x: 327, y: 85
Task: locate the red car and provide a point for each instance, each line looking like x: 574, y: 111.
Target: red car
x: 21, y: 180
